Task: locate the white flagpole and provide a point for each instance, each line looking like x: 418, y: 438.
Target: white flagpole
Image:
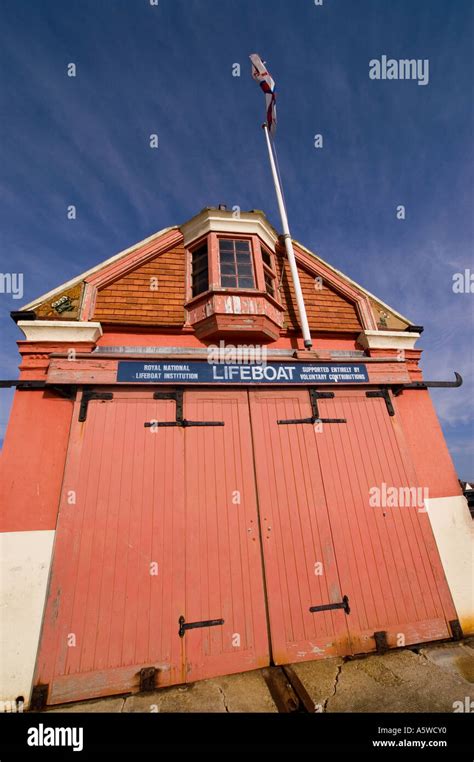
x: 289, y: 246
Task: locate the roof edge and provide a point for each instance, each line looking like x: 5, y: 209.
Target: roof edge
x: 78, y: 278
x: 354, y: 283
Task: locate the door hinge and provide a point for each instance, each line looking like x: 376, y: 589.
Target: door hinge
x: 180, y: 420
x: 39, y: 697
x: 344, y: 604
x: 456, y: 629
x: 148, y: 679
x: 381, y: 643
x: 87, y: 396
x: 314, y: 396
x: 385, y: 395
x: 183, y: 626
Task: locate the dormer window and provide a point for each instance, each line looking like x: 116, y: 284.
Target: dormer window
x: 235, y: 263
x: 200, y: 269
x: 232, y: 277
x: 268, y: 272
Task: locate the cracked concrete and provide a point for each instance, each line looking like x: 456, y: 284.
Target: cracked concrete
x: 223, y: 698
x: 399, y: 681
x: 424, y: 679
x: 245, y: 692
x: 320, y: 679
x: 336, y: 681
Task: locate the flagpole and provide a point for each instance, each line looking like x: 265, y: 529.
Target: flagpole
x: 289, y: 246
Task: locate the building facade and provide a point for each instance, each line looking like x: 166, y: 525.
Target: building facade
x: 187, y: 492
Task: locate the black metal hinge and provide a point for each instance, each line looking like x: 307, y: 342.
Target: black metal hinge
x: 314, y: 396
x: 87, y: 396
x: 148, y: 679
x: 399, y: 388
x: 456, y: 629
x: 344, y: 604
x: 180, y: 420
x: 39, y: 697
x: 183, y: 626
x: 381, y: 643
x: 385, y: 394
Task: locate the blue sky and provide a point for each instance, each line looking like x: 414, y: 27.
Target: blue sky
x: 167, y: 69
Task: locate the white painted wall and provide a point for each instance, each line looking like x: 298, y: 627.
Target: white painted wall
x: 453, y: 529
x: 25, y: 560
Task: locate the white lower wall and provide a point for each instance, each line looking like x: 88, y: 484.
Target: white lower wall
x: 25, y: 560
x: 453, y: 529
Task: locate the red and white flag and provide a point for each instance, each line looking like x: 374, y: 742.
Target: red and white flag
x: 261, y: 75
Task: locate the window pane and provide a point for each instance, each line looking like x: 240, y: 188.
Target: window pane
x: 227, y: 259
x: 245, y: 282
x: 267, y: 258
x: 200, y: 282
x: 243, y: 258
x: 242, y: 246
x: 225, y: 245
x: 229, y: 281
x: 269, y: 285
x: 199, y: 269
x: 227, y: 268
x: 245, y: 270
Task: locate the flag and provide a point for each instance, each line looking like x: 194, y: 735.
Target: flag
x: 261, y: 75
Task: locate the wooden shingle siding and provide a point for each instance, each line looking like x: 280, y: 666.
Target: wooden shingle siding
x: 326, y: 309
x: 131, y: 300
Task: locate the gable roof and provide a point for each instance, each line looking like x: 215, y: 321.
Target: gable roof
x: 71, y: 286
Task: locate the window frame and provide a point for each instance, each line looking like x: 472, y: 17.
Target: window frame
x: 257, y: 248
x: 204, y: 241
x: 234, y: 239
x: 269, y: 270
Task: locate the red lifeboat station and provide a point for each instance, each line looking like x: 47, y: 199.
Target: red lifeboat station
x: 187, y: 491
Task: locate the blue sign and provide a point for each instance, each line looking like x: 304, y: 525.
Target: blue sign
x: 192, y: 372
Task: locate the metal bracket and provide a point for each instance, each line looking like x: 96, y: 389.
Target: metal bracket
x: 39, y: 697
x: 23, y: 384
x: 148, y: 679
x: 195, y: 625
x: 181, y: 421
x: 328, y: 606
x: 68, y: 391
x: 87, y: 396
x: 314, y: 396
x: 385, y: 394
x: 381, y: 643
x: 399, y: 388
x: 456, y: 629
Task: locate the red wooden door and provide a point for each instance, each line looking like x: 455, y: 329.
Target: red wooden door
x: 247, y: 525
x: 224, y: 576
x: 154, y: 524
x: 316, y: 491
x: 301, y: 568
x: 388, y: 561
x: 117, y: 582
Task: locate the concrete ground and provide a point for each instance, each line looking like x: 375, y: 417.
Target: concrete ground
x: 429, y: 678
